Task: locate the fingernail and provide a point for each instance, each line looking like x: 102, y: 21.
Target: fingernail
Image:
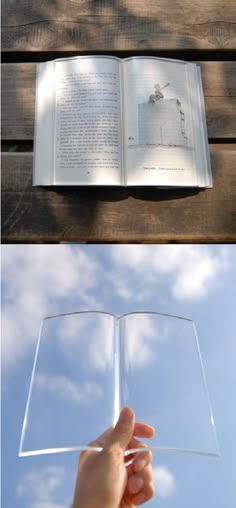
x: 137, y: 484
x: 139, y: 465
x: 125, y: 415
x: 154, y: 430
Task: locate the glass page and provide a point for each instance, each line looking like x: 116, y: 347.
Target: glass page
x: 159, y: 139
x: 162, y: 378
x: 71, y: 396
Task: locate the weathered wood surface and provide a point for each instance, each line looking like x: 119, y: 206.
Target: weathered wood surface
x: 89, y: 25
x: 98, y: 214
x: 18, y: 99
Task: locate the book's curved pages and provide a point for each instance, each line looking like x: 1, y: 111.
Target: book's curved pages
x: 88, y: 365
x: 137, y: 121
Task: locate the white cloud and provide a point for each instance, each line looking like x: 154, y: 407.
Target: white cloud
x: 138, y: 350
x: 88, y: 339
x: 101, y: 346
x: 40, y: 486
x: 40, y: 280
x: 69, y: 391
x: 191, y: 270
x: 197, y: 273
x: 164, y: 482
x: 140, y: 335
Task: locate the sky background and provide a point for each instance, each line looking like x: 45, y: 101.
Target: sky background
x: 196, y: 282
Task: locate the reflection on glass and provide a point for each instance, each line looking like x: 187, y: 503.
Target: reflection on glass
x: 88, y: 365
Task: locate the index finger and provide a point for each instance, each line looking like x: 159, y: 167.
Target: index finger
x: 143, y: 430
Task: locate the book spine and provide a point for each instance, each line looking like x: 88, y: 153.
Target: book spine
x: 117, y: 368
x: 123, y: 128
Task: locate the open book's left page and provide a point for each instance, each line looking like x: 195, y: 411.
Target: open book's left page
x: 78, y: 122
x: 72, y: 391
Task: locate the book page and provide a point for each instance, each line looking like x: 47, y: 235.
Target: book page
x: 87, y: 121
x: 159, y: 142
x: 43, y: 129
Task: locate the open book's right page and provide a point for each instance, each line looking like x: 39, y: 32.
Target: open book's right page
x: 163, y: 380
x: 165, y: 141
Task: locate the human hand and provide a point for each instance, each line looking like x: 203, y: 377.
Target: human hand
x: 103, y: 480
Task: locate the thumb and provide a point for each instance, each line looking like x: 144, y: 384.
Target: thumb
x: 124, y: 429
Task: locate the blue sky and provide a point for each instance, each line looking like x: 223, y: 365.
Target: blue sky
x: 197, y: 282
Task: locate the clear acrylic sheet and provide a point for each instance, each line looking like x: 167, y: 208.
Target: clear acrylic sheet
x: 88, y: 365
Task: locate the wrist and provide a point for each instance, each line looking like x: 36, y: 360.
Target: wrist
x: 90, y: 503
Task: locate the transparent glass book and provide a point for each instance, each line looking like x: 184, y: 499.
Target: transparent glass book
x: 88, y: 365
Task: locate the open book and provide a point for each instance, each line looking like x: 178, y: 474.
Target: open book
x: 88, y: 365
x: 134, y: 122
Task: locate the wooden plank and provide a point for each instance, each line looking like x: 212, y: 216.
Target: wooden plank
x: 100, y: 214
x: 18, y: 98
x: 221, y: 118
x: 18, y: 101
x: 219, y: 79
x: 128, y: 25
x: 25, y: 11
